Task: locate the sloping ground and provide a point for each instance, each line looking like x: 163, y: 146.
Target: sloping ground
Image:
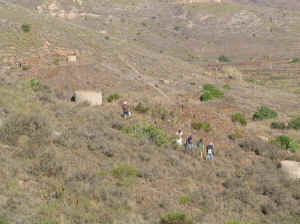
x: 54, y: 172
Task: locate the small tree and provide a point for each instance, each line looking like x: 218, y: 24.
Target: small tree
x: 239, y: 117
x: 223, y: 58
x: 264, y: 113
x: 26, y: 28
x: 295, y: 124
x: 287, y: 143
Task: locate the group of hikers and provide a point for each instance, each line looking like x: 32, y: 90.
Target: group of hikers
x: 188, y: 145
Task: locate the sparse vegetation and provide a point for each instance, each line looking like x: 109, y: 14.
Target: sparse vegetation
x: 295, y: 123
x: 185, y: 199
x: 175, y: 218
x: 56, y: 61
x: 239, y: 117
x: 278, y: 125
x: 223, y: 58
x: 162, y: 113
x: 4, y: 220
x: 34, y: 84
x: 26, y: 28
x: 154, y: 133
x: 264, y: 113
x: 226, y: 86
x: 142, y: 108
x: 295, y: 60
x: 113, y: 97
x: 26, y: 67
x: 211, y: 92
x: 124, y: 171
x: 287, y: 143
x: 198, y: 125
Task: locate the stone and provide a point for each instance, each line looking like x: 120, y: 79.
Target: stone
x: 72, y: 58
x: 292, y: 168
x: 91, y: 97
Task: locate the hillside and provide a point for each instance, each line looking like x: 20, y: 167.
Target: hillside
x: 64, y: 162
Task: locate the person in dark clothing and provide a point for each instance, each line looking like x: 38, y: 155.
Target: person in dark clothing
x: 210, y: 151
x: 189, y: 143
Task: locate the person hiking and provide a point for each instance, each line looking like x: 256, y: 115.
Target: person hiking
x: 210, y: 151
x: 189, y: 143
x: 126, y: 112
x: 200, y: 146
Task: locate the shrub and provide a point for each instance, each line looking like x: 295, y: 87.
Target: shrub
x: 210, y: 92
x: 295, y: 60
x: 34, y: 84
x: 34, y: 127
x: 141, y: 108
x: 295, y: 124
x: 264, y: 113
x: 185, y: 199
x: 113, y: 97
x: 26, y: 28
x: 226, y: 86
x: 3, y: 220
x: 154, y: 133
x: 161, y: 113
x: 206, y: 96
x: 223, y: 58
x: 125, y: 173
x: 239, y: 117
x: 287, y: 143
x: 197, y: 125
x: 26, y: 67
x: 278, y: 125
x: 175, y: 218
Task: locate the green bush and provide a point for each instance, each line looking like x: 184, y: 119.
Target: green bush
x: 264, y: 113
x: 295, y: 124
x: 34, y: 84
x: 152, y: 132
x: 239, y: 117
x: 210, y: 92
x: 124, y: 171
x: 223, y: 58
x: 175, y: 218
x: 278, y: 125
x: 295, y: 60
x: 206, y: 96
x: 141, y: 108
x: 287, y: 143
x: 26, y: 67
x: 185, y: 199
x: 198, y: 125
x: 226, y: 86
x: 113, y: 97
x: 26, y: 28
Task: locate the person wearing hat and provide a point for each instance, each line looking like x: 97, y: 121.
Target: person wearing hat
x: 125, y: 108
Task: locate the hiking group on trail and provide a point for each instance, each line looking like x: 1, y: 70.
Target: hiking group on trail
x: 188, y: 145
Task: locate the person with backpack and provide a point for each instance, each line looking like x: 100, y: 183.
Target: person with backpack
x: 126, y: 112
x: 210, y: 151
x: 200, y: 146
x: 189, y: 143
